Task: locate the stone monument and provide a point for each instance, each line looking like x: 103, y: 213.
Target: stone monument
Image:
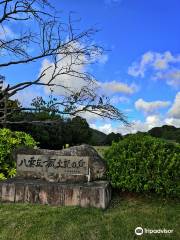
x: 71, y: 177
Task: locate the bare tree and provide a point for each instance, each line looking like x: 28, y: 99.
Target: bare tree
x: 53, y: 39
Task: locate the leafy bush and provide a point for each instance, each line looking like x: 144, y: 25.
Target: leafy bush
x: 8, y: 141
x: 142, y: 163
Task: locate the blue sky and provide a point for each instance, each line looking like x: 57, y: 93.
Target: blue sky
x: 141, y: 72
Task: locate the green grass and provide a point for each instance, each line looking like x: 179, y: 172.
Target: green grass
x: 30, y: 222
x: 101, y: 149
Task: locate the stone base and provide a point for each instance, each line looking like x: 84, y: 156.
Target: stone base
x: 92, y: 194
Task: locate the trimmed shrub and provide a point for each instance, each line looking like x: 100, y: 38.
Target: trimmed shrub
x: 142, y: 163
x: 9, y: 141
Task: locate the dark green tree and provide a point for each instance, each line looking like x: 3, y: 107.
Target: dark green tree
x: 113, y: 137
x: 81, y: 132
x: 166, y: 132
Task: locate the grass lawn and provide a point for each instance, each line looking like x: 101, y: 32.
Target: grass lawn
x: 30, y: 222
x: 101, y: 149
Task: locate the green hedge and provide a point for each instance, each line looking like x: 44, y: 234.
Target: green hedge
x: 9, y: 141
x: 143, y: 163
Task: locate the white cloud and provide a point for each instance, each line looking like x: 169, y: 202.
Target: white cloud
x: 26, y: 96
x: 77, y: 64
x: 119, y: 99
x: 162, y: 66
x: 172, y: 77
x: 118, y: 87
x: 63, y: 81
x: 106, y: 128
x: 150, y: 122
x: 69, y: 71
x: 158, y: 61
x: 175, y: 109
x: 172, y: 121
x: 139, y: 68
x: 150, y: 107
x: 153, y: 121
x: 162, y: 61
x: 75, y: 83
x: 102, y: 59
x: 90, y: 117
x: 137, y: 125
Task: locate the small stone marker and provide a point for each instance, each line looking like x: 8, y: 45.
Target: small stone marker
x: 71, y: 176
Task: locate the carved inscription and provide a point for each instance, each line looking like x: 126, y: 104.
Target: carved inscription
x: 69, y: 165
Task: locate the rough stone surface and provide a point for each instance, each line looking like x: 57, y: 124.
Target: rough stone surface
x: 91, y: 194
x: 70, y: 177
x: 94, y: 167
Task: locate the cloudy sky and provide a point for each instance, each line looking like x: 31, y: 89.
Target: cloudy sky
x: 141, y: 70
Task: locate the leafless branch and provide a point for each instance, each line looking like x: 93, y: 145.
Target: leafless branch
x: 48, y: 37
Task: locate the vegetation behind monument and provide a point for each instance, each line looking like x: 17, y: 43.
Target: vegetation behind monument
x: 10, y: 140
x: 141, y: 163
x: 54, y: 131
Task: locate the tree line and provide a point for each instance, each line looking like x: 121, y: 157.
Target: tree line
x: 52, y: 130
